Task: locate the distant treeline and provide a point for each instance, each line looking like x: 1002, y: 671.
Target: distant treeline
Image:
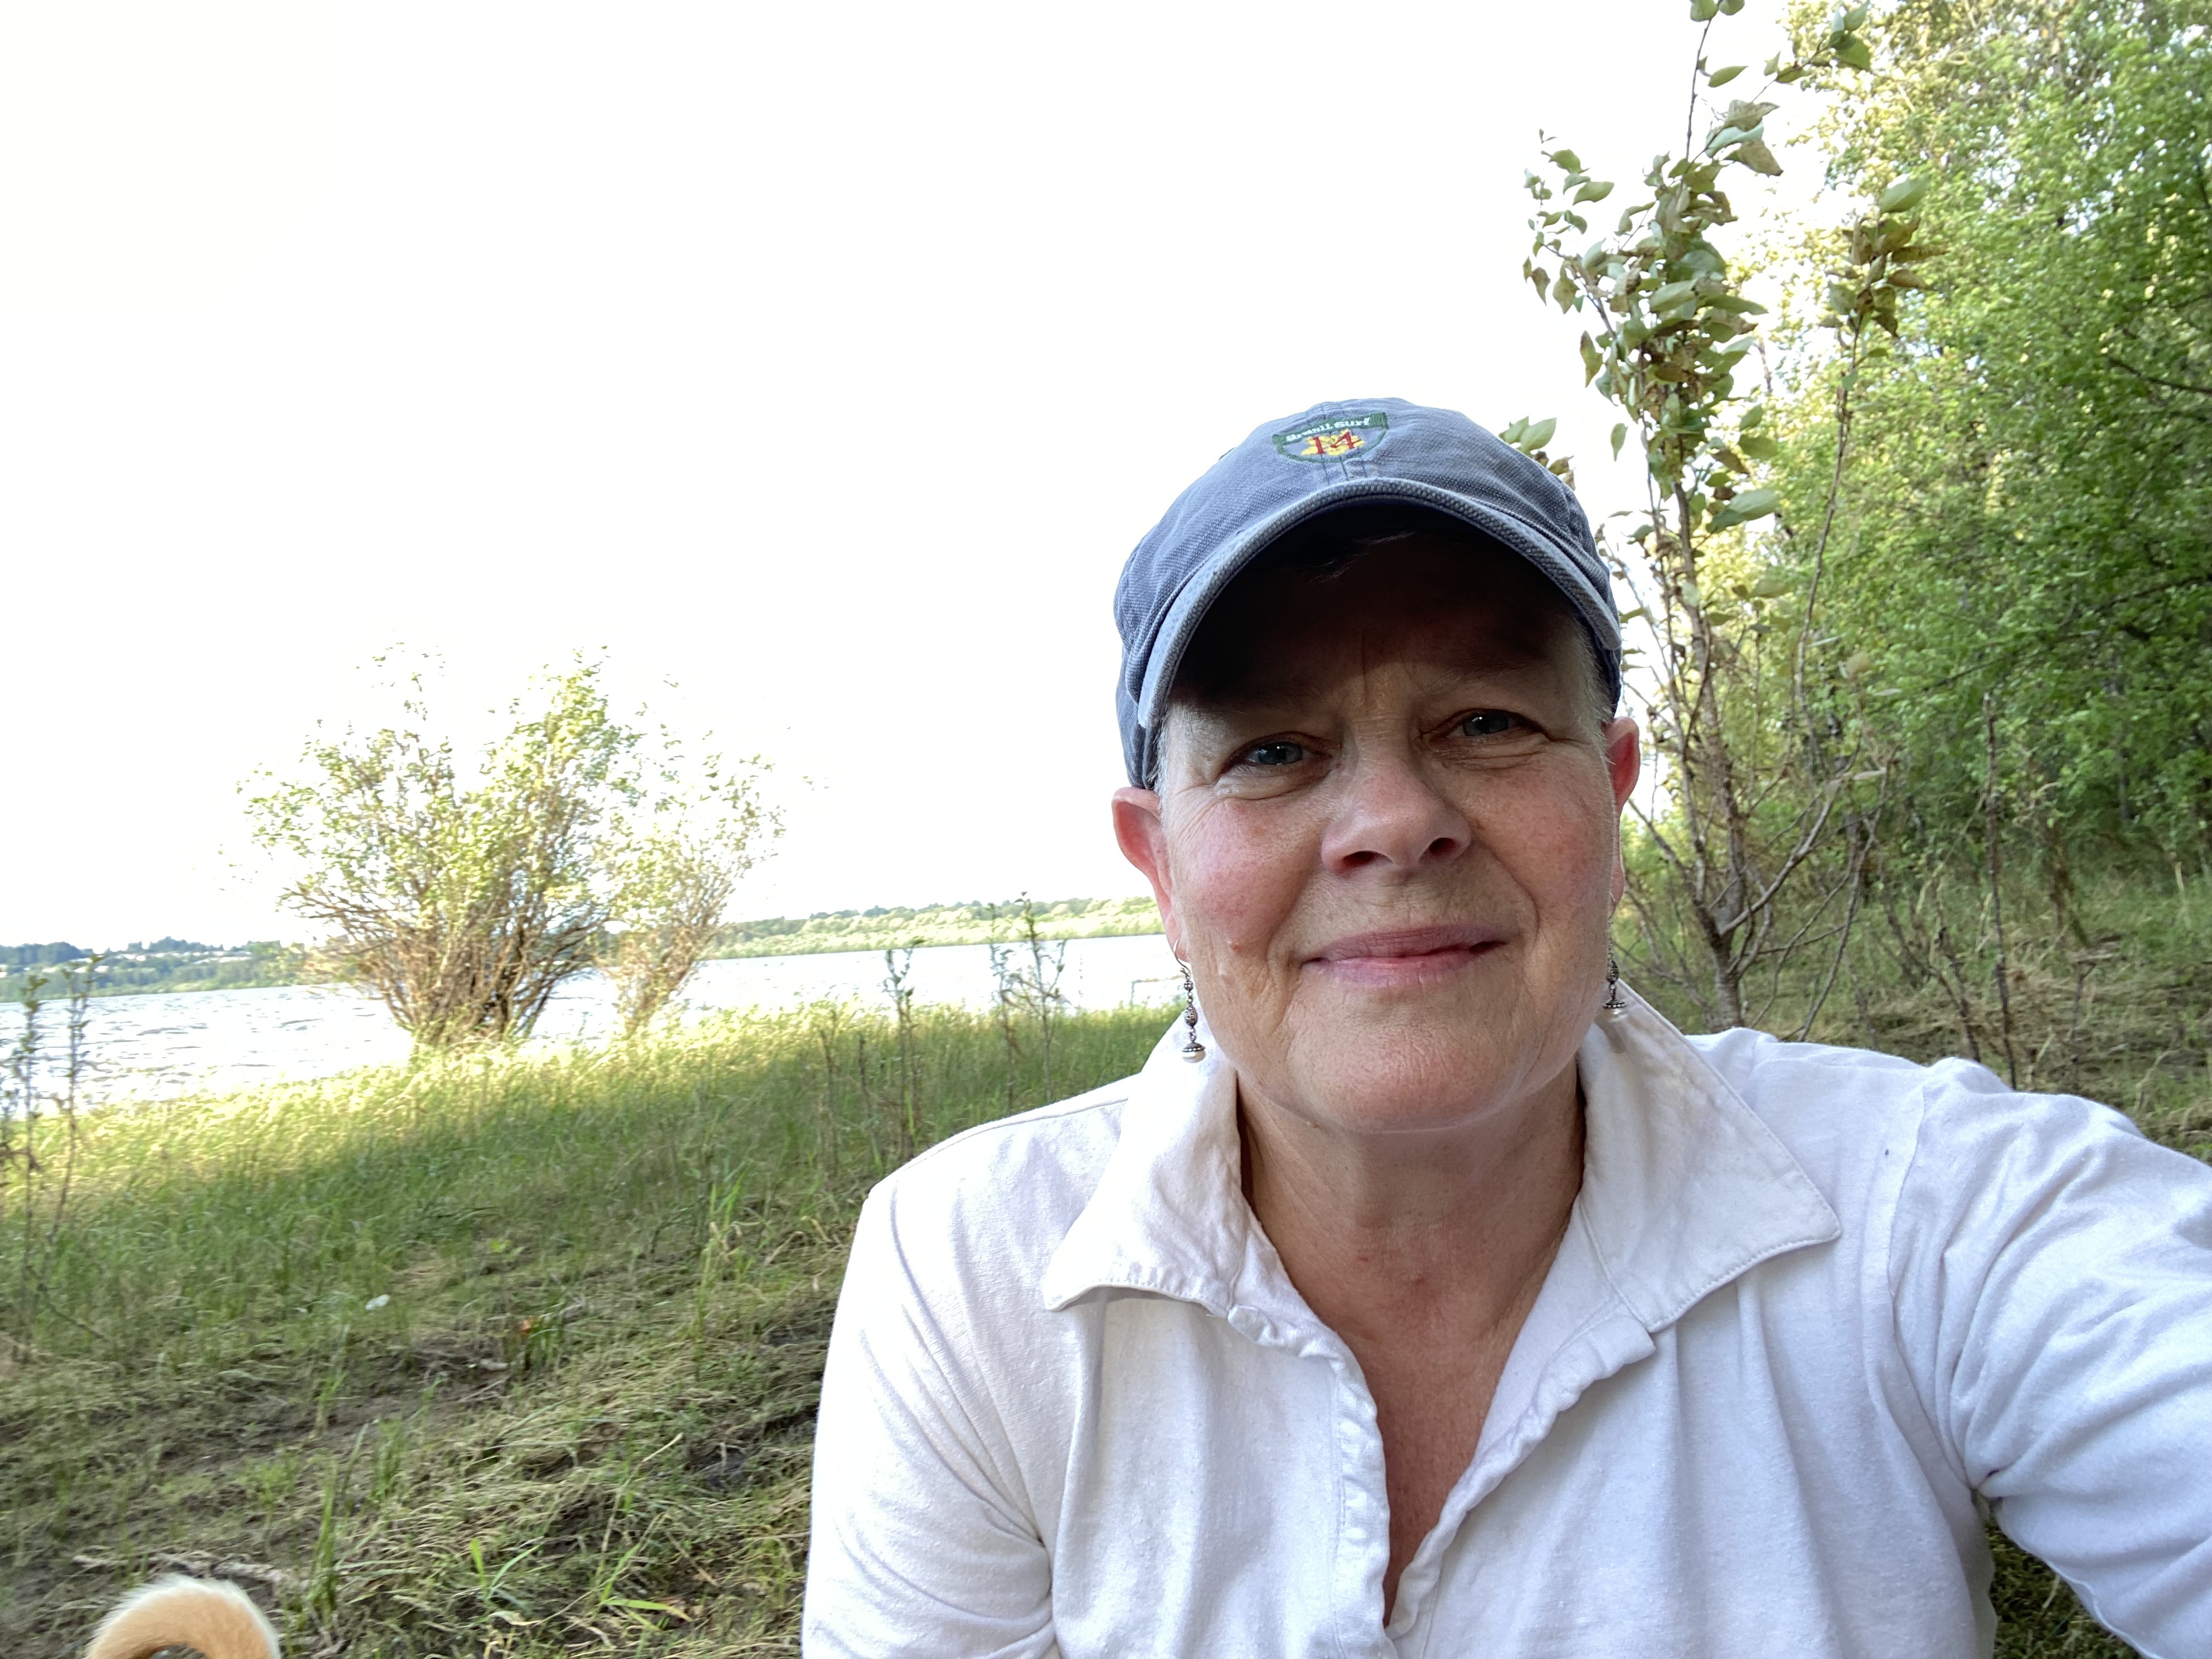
x: 978, y: 923
x: 163, y: 964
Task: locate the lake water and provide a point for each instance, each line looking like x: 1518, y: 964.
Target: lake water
x: 157, y: 1046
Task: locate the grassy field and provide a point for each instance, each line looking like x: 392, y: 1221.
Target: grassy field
x: 510, y: 1356
x: 518, y: 1356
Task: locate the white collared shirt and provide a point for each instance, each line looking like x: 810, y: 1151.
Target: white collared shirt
x: 1811, y: 1302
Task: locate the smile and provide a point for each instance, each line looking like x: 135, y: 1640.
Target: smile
x: 1406, y: 955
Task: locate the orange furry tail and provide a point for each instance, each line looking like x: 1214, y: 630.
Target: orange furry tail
x: 220, y: 1620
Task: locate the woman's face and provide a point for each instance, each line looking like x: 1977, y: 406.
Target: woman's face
x: 1386, y: 837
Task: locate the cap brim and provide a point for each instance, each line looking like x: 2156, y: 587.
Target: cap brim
x: 1207, y: 584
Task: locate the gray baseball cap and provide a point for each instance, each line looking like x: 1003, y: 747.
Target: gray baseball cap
x: 1291, y: 470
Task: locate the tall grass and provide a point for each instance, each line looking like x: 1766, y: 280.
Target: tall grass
x: 2104, y: 991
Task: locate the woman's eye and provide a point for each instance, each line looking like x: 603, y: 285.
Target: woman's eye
x: 1486, y: 723
x: 1280, y: 752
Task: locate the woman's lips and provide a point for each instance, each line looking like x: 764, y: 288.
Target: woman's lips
x: 1403, y: 956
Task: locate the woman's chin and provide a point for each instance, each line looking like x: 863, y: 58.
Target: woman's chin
x: 1421, y: 1059
x: 1378, y: 1088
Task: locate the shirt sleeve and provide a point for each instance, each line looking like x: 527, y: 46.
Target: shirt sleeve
x: 921, y: 1543
x: 2053, y: 1276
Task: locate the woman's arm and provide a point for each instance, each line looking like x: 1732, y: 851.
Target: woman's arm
x: 2053, y: 1272
x: 922, y: 1543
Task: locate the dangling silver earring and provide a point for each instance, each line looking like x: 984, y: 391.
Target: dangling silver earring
x: 1192, y: 1049
x: 1615, y: 1004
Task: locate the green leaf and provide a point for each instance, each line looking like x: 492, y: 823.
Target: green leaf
x: 1759, y: 158
x: 1758, y: 447
x: 1673, y: 294
x: 1513, y: 433
x: 1592, y: 360
x: 1752, y: 504
x: 1539, y: 433
x: 1856, y: 53
x: 1619, y: 437
x: 1704, y: 11
x: 1774, y: 583
x: 1567, y: 158
x: 1596, y: 191
x: 1732, y: 135
x: 1721, y: 78
x: 1903, y: 195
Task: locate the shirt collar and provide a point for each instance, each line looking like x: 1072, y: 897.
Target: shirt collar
x: 1684, y: 1189
x: 1168, y: 1214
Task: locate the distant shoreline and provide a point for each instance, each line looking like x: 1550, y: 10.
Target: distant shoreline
x: 936, y: 924
x: 201, y: 969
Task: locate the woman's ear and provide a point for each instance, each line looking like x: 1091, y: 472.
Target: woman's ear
x: 1624, y: 758
x: 1624, y: 764
x: 1143, y: 840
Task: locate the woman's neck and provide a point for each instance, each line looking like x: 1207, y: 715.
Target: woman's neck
x: 1453, y: 1227
x: 1424, y: 1254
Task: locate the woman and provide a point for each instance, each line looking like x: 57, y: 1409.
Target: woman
x: 1427, y: 1293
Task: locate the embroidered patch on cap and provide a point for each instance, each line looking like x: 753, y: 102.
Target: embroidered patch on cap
x: 1335, y: 439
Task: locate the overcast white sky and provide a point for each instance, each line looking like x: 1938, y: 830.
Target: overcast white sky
x: 826, y: 360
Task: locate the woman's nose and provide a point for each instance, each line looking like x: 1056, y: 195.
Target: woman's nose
x: 1392, y: 815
